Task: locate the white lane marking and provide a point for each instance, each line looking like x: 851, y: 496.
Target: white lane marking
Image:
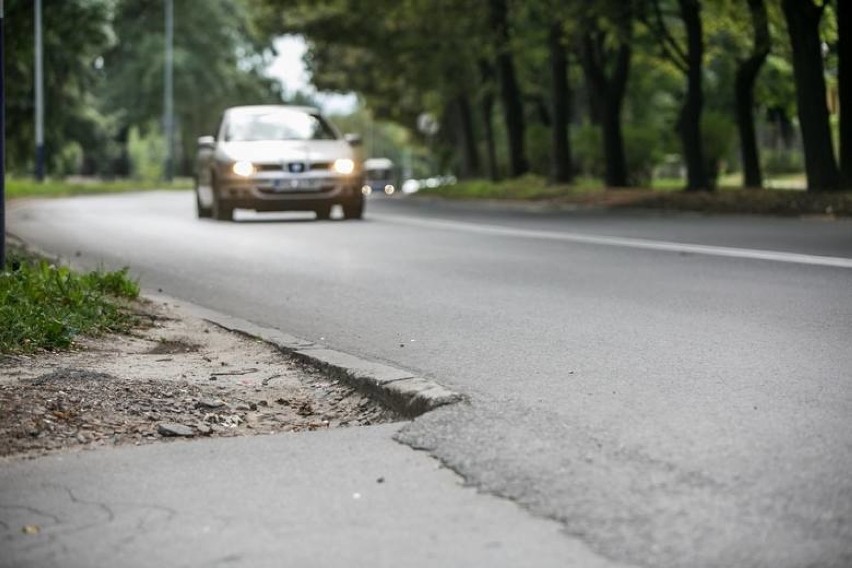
x: 732, y: 252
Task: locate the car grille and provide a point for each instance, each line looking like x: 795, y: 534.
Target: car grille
x: 313, y: 166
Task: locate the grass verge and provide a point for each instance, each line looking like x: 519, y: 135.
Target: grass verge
x: 44, y: 306
x: 525, y: 188
x: 18, y: 187
x: 588, y: 192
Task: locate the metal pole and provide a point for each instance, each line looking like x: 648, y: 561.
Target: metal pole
x: 39, y: 95
x: 168, y: 92
x: 2, y: 148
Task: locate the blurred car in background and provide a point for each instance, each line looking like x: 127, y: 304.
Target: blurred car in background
x: 277, y: 158
x: 379, y: 177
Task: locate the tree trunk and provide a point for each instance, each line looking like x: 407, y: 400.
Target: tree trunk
x: 596, y: 106
x: 844, y: 28
x: 616, y: 174
x: 561, y: 169
x: 744, y: 87
x: 803, y: 18
x: 121, y: 165
x: 689, y: 121
x: 744, y: 90
x: 609, y: 92
x: 466, y: 139
x: 511, y: 94
x: 490, y: 143
x: 486, y: 107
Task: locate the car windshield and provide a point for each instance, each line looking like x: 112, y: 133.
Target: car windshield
x: 277, y: 125
x: 378, y: 174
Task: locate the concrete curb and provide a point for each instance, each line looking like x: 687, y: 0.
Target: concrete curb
x: 400, y: 390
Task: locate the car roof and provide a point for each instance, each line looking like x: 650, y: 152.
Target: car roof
x: 255, y: 109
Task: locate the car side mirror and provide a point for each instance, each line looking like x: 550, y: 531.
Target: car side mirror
x: 353, y: 139
x: 206, y: 142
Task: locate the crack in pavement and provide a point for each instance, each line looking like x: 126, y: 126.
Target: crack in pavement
x: 31, y: 510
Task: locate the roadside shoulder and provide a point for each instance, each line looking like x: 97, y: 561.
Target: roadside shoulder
x: 177, y: 376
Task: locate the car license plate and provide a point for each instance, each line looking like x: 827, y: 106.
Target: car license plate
x: 281, y: 185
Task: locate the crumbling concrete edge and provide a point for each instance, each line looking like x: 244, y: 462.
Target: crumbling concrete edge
x: 400, y: 390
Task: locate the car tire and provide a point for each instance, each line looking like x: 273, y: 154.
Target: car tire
x: 220, y: 210
x: 201, y: 211
x: 353, y: 209
x: 323, y: 213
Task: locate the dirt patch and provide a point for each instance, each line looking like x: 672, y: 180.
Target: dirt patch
x: 176, y: 377
x: 171, y: 347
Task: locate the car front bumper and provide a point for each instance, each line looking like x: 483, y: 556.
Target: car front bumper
x: 287, y: 193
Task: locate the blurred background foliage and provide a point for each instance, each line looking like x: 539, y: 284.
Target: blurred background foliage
x: 554, y: 88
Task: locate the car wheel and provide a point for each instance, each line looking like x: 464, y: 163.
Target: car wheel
x: 353, y: 209
x: 220, y: 211
x: 323, y: 213
x: 203, y: 212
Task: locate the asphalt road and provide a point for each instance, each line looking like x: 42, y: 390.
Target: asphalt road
x: 675, y: 389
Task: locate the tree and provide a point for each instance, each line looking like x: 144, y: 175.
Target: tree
x: 689, y: 60
x: 460, y: 115
x: 502, y: 84
x: 75, y: 33
x: 561, y: 169
x: 510, y: 92
x: 486, y: 106
x: 844, y: 28
x: 746, y: 77
x: 402, y: 60
x: 605, y: 54
x: 218, y: 63
x: 803, y: 21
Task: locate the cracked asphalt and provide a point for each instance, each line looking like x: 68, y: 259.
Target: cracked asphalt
x: 346, y: 497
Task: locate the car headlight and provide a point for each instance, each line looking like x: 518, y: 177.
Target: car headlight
x: 343, y: 166
x: 243, y: 168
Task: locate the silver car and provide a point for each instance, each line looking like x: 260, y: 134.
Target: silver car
x: 277, y: 158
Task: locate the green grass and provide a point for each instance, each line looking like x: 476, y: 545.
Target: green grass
x: 735, y: 181
x: 25, y: 187
x: 527, y: 188
x: 664, y: 194
x: 44, y: 306
x: 667, y: 184
x: 533, y: 187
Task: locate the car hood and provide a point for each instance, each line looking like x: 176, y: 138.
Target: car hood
x: 277, y: 151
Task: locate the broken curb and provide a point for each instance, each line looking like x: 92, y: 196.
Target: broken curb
x: 400, y: 390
